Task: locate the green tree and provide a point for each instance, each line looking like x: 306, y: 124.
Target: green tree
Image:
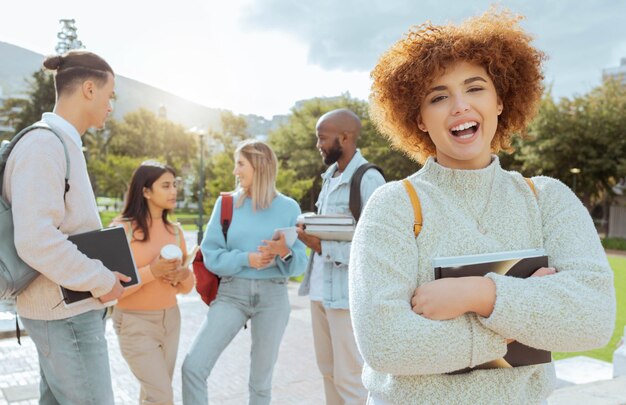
x: 234, y: 129
x: 586, y: 132
x: 219, y: 167
x: 288, y: 183
x: 142, y: 133
x: 41, y: 97
x: 113, y: 173
x: 294, y: 144
x: 219, y: 177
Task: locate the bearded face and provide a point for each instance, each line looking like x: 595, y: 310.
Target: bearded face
x: 332, y: 154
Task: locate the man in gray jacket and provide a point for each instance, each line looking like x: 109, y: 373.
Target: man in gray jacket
x: 326, y: 277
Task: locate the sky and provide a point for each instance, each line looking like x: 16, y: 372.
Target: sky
x: 262, y: 56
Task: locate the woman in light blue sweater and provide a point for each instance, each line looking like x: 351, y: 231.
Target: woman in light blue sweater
x: 254, y: 270
x: 451, y: 96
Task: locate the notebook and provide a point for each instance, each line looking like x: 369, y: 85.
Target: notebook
x: 290, y: 238
x: 111, y: 247
x: 518, y: 263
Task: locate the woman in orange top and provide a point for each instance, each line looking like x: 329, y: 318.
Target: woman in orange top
x: 146, y: 318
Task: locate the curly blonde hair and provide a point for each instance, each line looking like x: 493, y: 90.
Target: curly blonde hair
x: 493, y: 40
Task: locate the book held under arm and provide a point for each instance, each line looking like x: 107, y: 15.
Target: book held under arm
x: 111, y: 247
x: 519, y: 263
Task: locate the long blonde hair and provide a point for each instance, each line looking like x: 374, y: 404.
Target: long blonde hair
x: 265, y: 165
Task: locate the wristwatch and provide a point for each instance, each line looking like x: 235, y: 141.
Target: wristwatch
x: 287, y: 257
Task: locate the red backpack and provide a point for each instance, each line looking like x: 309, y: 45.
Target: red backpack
x: 208, y: 282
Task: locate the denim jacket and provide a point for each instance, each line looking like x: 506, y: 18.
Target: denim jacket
x: 336, y: 254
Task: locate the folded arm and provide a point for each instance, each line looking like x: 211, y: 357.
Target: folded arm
x: 383, y: 273
x: 572, y: 310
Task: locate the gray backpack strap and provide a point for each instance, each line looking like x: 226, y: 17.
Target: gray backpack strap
x: 6, y: 149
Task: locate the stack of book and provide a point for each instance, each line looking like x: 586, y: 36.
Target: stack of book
x: 329, y: 227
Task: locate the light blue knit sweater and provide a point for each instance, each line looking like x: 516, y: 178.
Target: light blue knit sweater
x: 246, y: 233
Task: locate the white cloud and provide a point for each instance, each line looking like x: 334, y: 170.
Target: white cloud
x: 261, y: 56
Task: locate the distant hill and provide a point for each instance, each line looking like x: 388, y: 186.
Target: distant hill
x: 18, y: 64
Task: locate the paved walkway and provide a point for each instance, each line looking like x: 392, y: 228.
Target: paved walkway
x: 296, y: 378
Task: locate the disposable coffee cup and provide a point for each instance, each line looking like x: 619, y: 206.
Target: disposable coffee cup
x: 169, y: 252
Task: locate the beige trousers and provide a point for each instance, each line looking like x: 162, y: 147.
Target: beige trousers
x: 338, y: 358
x: 149, y: 342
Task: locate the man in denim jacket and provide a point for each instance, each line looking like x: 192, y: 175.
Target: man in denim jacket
x: 326, y: 277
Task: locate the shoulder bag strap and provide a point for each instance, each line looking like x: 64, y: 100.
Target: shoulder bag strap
x: 6, y: 151
x: 226, y: 213
x: 530, y: 183
x: 417, y: 207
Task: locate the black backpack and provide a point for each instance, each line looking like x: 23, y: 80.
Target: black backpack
x: 355, y: 188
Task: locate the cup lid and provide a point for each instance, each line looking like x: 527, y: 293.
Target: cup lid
x: 169, y: 252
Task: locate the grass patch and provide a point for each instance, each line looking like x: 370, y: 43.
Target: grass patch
x: 614, y: 243
x: 299, y: 278
x: 188, y: 220
x: 107, y: 216
x: 618, y: 264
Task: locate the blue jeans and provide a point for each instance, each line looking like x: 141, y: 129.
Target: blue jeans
x: 73, y: 359
x: 266, y: 304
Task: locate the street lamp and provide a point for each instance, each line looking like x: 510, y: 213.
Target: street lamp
x: 575, y: 171
x: 200, y: 133
x: 201, y: 189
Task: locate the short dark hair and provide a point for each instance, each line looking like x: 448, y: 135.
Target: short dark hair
x: 74, y: 67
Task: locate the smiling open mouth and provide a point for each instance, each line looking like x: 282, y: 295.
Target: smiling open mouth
x: 465, y: 130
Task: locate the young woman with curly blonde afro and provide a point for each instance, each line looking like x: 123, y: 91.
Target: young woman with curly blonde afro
x: 452, y: 96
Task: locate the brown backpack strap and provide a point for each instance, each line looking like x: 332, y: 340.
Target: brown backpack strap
x: 530, y: 183
x: 417, y: 207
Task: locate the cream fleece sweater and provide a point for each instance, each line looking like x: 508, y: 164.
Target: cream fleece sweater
x: 34, y: 184
x: 407, y: 355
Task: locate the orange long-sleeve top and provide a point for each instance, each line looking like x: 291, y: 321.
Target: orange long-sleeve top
x: 153, y: 293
